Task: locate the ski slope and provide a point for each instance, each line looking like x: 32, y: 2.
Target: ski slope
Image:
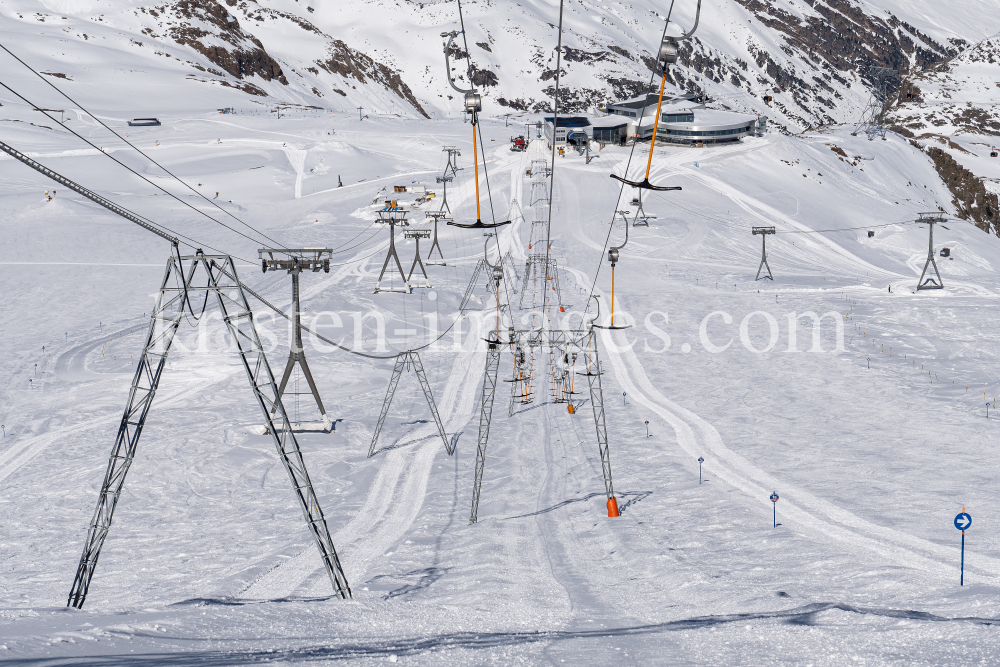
x: 208, y: 561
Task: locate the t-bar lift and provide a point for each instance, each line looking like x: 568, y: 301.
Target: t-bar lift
x: 221, y: 280
x: 473, y: 105
x: 666, y: 57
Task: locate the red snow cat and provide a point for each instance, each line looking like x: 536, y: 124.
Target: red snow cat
x: 517, y: 144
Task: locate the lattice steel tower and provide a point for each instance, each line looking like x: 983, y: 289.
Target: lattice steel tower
x: 872, y: 117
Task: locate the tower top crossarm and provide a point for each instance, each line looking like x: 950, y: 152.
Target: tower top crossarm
x: 295, y: 259
x: 762, y: 230
x: 390, y: 217
x: 931, y: 217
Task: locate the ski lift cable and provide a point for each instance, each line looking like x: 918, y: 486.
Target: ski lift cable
x: 165, y: 233
x: 628, y: 164
x: 99, y: 149
x: 160, y: 230
x: 552, y: 170
x: 82, y: 108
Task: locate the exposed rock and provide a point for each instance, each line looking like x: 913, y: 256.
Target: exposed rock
x: 245, y: 55
x: 347, y: 62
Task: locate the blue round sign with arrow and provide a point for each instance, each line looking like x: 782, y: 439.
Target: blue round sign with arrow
x: 963, y: 521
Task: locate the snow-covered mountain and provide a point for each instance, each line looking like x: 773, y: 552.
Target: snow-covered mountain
x: 811, y: 57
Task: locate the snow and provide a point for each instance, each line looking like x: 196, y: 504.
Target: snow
x: 208, y: 561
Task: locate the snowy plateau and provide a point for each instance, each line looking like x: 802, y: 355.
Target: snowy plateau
x: 865, y: 404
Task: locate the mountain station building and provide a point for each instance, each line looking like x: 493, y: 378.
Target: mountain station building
x: 683, y: 121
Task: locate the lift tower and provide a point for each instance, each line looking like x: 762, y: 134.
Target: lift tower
x: 165, y: 320
x: 871, y: 122
x: 295, y: 261
x: 436, y: 215
x: 763, y: 232
x: 392, y: 216
x: 930, y: 219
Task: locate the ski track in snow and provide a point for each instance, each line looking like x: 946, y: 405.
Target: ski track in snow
x: 297, y: 158
x: 696, y: 436
x: 394, y: 498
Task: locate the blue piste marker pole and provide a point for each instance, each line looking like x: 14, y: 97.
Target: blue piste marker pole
x: 4, y: 430
x: 647, y: 428
x: 774, y: 507
x: 869, y: 363
x: 962, y: 522
x: 700, y: 461
x: 623, y: 398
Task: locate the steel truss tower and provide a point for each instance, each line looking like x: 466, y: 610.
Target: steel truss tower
x: 403, y: 362
x: 553, y: 339
x: 871, y: 122
x: 641, y: 219
x: 550, y: 273
x: 930, y: 219
x: 392, y: 218
x: 295, y: 261
x: 763, y: 232
x: 180, y: 288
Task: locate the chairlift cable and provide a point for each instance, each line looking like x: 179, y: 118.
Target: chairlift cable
x: 628, y: 164
x: 82, y: 108
x: 552, y: 170
x: 100, y: 150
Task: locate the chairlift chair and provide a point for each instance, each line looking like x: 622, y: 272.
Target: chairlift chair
x: 993, y: 153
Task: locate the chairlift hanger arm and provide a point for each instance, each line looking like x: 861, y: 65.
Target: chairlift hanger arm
x: 447, y: 61
x: 92, y: 196
x: 697, y: 18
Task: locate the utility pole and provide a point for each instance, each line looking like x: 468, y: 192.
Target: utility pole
x: 294, y: 261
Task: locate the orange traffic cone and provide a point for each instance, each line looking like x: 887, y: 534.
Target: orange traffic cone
x: 613, y: 507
